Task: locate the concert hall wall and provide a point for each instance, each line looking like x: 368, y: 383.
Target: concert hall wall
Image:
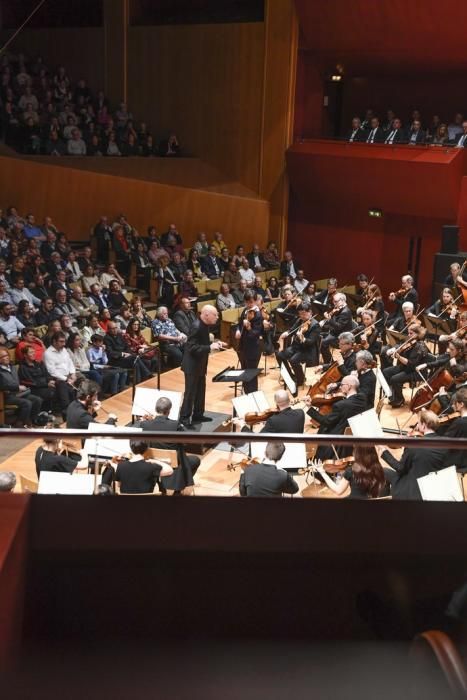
x: 328, y: 241
x: 77, y: 198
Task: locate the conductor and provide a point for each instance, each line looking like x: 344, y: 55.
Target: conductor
x: 194, y: 366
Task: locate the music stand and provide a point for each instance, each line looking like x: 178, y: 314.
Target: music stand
x: 237, y: 376
x: 395, y: 337
x: 436, y: 327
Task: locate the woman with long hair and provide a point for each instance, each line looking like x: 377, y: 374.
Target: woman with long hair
x: 136, y: 344
x: 365, y: 477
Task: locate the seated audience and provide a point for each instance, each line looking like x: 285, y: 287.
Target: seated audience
x: 27, y: 405
x: 170, y: 339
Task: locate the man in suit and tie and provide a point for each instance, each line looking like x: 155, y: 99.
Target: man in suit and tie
x: 334, y: 323
x: 375, y: 134
x: 356, y: 133
x: 210, y: 264
x: 289, y: 266
x: 266, y: 479
x: 396, y: 133
x: 255, y: 259
x: 416, y: 135
x: 461, y: 139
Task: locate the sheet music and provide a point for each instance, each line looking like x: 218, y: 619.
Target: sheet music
x: 70, y: 484
x: 441, y: 486
x: 107, y: 447
x: 366, y: 424
x: 234, y: 373
x: 256, y: 402
x: 146, y: 399
x: 289, y: 382
x: 294, y: 456
x: 381, y: 379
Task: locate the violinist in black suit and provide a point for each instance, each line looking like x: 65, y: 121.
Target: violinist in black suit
x: 415, y: 462
x: 336, y: 422
x: 326, y: 296
x: 187, y: 464
x: 335, y: 322
x: 356, y: 133
x: 248, y: 334
x: 409, y: 356
x: 407, y: 292
x: 304, y: 347
x: 364, y: 371
x: 288, y: 419
x: 266, y: 479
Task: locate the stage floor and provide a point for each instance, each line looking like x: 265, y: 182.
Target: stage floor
x: 212, y: 478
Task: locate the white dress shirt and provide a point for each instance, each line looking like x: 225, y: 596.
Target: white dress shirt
x: 58, y: 363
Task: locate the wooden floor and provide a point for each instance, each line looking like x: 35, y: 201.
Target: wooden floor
x: 213, y: 478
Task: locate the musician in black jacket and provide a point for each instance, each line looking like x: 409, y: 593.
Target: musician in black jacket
x: 415, y: 461
x: 304, y: 347
x: 364, y: 372
x: 408, y: 358
x: 407, y: 292
x: 335, y: 322
x: 458, y: 429
x: 336, y: 422
x: 288, y: 420
x: 266, y: 479
x: 248, y: 334
x: 187, y: 464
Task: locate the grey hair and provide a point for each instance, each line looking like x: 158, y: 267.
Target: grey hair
x: 7, y: 481
x: 347, y: 337
x: 364, y: 355
x: 275, y: 451
x: 163, y: 405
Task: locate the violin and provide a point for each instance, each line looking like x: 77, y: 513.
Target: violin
x: 443, y: 420
x: 332, y: 466
x: 259, y: 416
x: 400, y: 293
x: 243, y: 463
x: 265, y: 314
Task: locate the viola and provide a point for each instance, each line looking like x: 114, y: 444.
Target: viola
x: 447, y: 419
x: 259, y: 416
x: 243, y: 463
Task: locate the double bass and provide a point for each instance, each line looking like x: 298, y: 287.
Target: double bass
x: 425, y: 395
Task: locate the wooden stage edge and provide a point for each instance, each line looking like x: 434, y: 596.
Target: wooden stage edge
x: 213, y: 477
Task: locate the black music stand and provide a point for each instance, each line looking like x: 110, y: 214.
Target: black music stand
x: 240, y: 376
x: 395, y: 337
x: 436, y: 327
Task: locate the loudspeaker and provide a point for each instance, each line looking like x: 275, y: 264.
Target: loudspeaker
x: 450, y: 239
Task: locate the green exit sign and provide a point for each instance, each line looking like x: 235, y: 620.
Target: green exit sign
x: 375, y: 213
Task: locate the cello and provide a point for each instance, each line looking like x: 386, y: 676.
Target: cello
x: 426, y: 393
x: 317, y: 392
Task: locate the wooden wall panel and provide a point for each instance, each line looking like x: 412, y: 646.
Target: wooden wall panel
x: 80, y: 50
x: 278, y: 109
x: 76, y: 199
x: 204, y: 82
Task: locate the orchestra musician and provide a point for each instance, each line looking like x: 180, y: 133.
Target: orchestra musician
x: 458, y: 429
x: 50, y: 457
x: 345, y: 359
x: 453, y: 359
x: 269, y: 327
x: 408, y: 355
x: 287, y: 419
x: 365, y: 477
x: 326, y: 296
x: 374, y: 302
x: 83, y: 410
x: 455, y: 277
x: 287, y: 309
x: 364, y: 372
x: 248, y: 334
x: 335, y: 322
x: 459, y: 333
x: 362, y: 286
x: 266, y: 479
x: 304, y: 348
x: 366, y: 335
x: 407, y: 292
x: 336, y: 422
x: 415, y: 461
x: 444, y: 308
x: 187, y: 464
x: 399, y: 324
